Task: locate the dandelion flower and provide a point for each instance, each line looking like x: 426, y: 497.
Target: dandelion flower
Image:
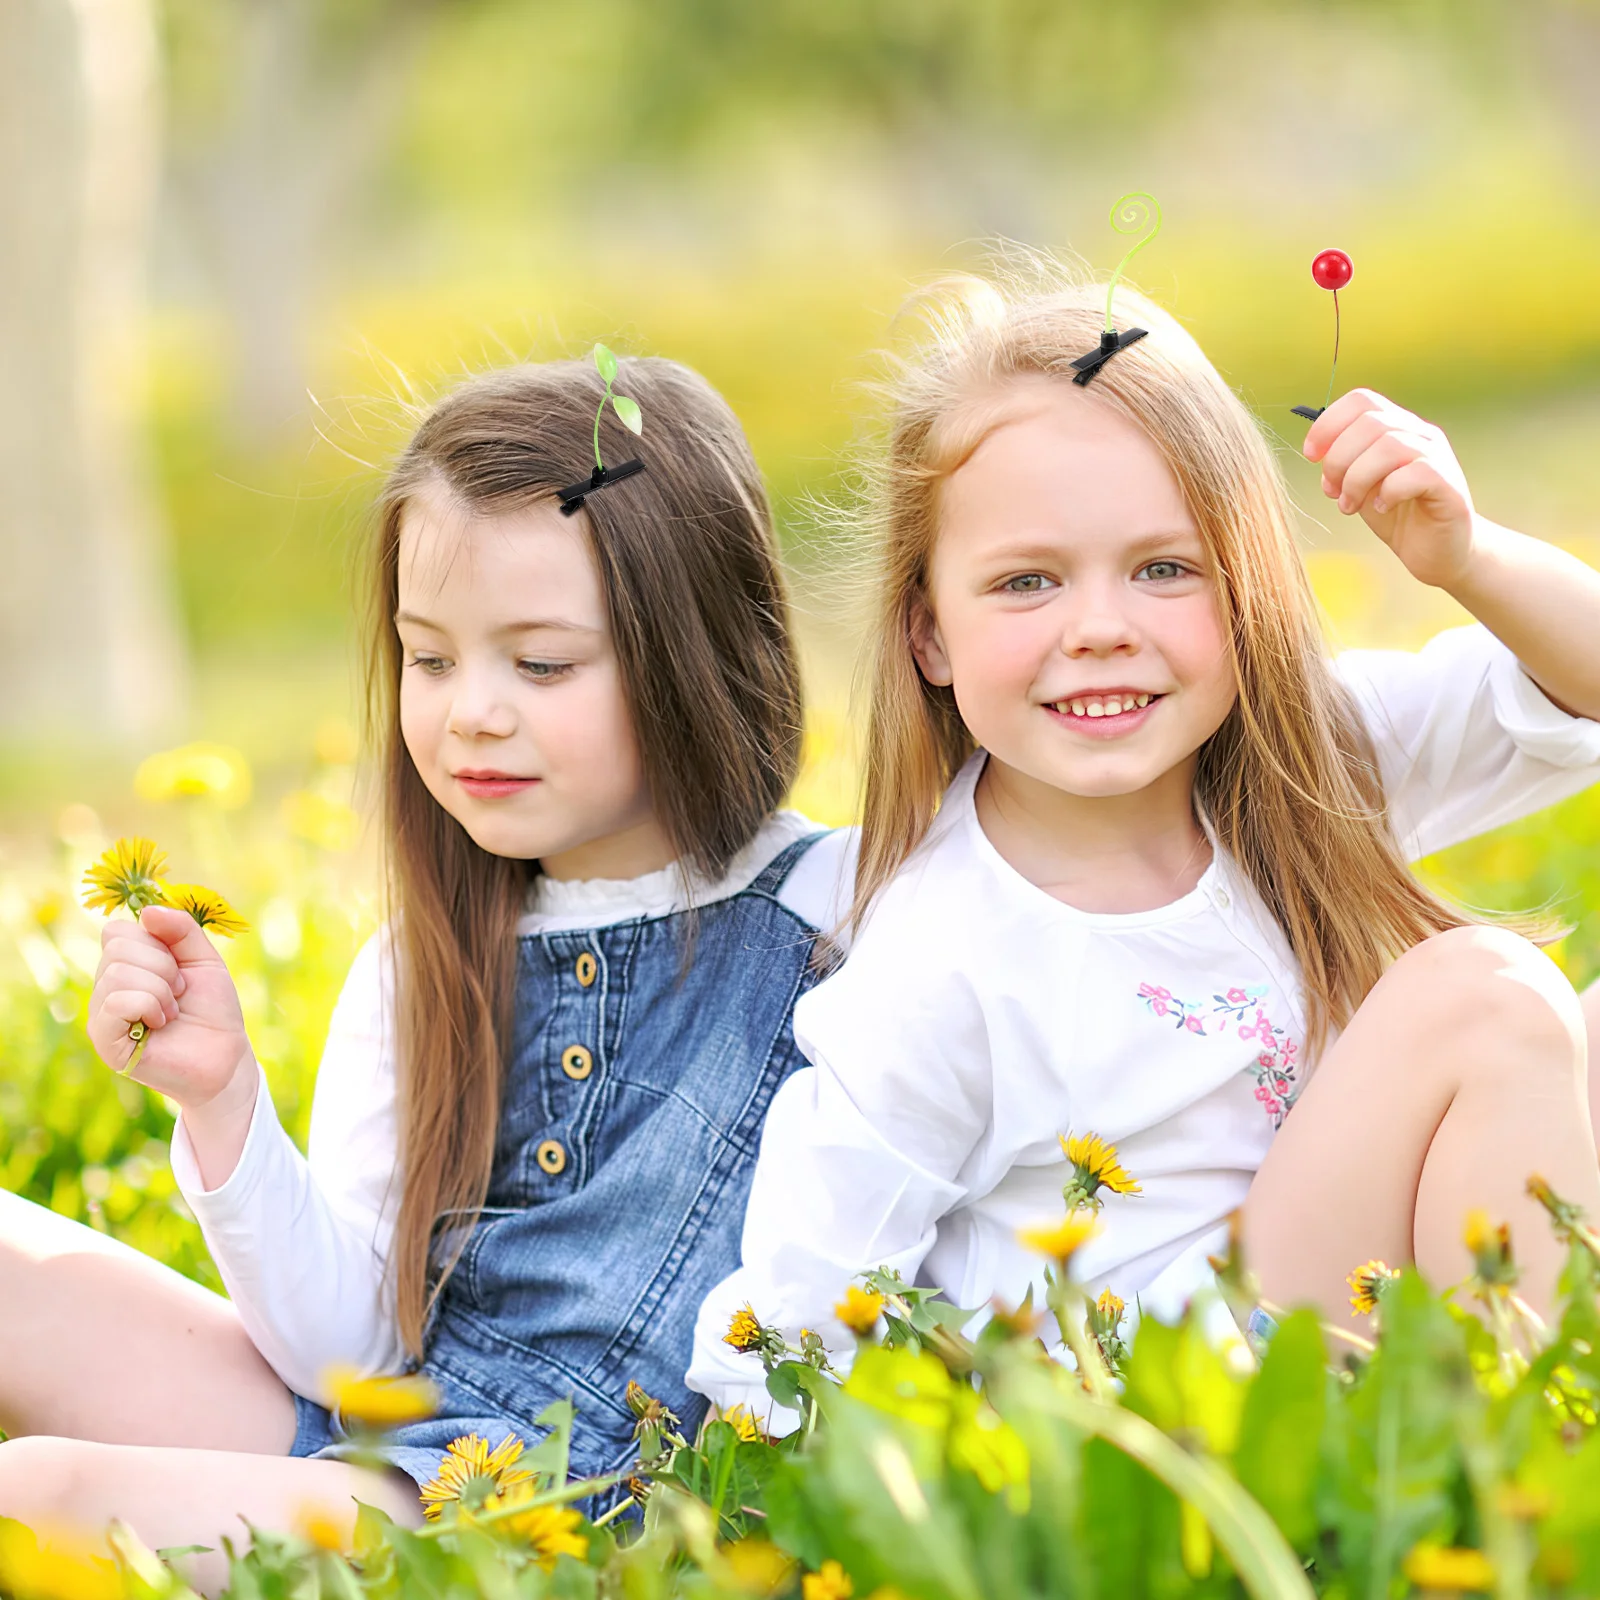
x: 1094, y: 1167
x: 744, y: 1425
x: 208, y: 908
x: 832, y: 1583
x: 758, y: 1566
x: 1367, y: 1284
x: 745, y: 1332
x: 317, y: 1527
x: 47, y: 1565
x: 859, y: 1310
x: 1490, y: 1248
x: 128, y: 874
x: 470, y: 1467
x: 380, y: 1402
x: 550, y: 1530
x: 210, y: 771
x: 1062, y: 1240
x: 1447, y: 1570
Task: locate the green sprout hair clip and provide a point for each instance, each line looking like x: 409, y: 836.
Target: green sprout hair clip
x: 628, y: 414
x: 1135, y: 212
x: 1331, y: 270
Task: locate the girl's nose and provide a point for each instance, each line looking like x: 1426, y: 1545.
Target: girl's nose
x: 1094, y: 623
x: 477, y: 708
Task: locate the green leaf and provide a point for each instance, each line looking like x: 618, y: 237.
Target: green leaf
x: 628, y: 412
x: 605, y: 364
x: 1280, y: 1432
x: 790, y: 1379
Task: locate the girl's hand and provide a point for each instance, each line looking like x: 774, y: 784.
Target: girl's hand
x: 1400, y: 474
x: 164, y: 972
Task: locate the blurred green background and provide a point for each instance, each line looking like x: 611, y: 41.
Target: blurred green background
x: 244, y: 237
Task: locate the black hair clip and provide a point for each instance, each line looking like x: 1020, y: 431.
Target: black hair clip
x: 602, y: 477
x: 628, y: 414
x: 1133, y: 213
x: 1085, y: 367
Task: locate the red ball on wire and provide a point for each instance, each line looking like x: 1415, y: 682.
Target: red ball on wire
x: 1332, y: 269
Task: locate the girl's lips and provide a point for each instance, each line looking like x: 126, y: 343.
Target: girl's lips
x: 489, y: 788
x: 1106, y: 727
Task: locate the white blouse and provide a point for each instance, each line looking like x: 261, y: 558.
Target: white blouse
x: 978, y: 1018
x: 303, y: 1244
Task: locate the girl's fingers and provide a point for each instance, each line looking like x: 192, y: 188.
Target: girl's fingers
x: 180, y: 933
x: 1412, y: 481
x: 144, y: 952
x: 119, y: 1011
x: 1360, y: 435
x: 1380, y: 459
x: 123, y: 978
x: 1344, y: 411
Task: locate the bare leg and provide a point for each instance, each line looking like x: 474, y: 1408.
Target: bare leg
x: 1590, y: 1001
x: 181, y: 1497
x: 1461, y: 1074
x: 99, y: 1342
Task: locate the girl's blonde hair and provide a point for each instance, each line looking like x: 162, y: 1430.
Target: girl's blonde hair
x: 698, y: 617
x: 1289, y: 781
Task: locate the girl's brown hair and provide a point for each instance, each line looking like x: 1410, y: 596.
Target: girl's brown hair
x: 699, y: 620
x: 1289, y: 781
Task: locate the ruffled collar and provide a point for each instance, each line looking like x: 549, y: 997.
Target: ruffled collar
x: 557, y: 905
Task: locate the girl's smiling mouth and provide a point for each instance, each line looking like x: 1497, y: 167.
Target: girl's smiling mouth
x: 488, y: 785
x: 1106, y: 712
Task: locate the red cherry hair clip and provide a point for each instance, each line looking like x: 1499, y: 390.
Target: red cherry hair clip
x: 1330, y: 270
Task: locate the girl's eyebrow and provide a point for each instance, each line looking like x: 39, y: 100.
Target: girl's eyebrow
x: 531, y: 625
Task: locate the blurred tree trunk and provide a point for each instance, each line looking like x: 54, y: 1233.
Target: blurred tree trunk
x: 89, y: 644
x: 311, y: 89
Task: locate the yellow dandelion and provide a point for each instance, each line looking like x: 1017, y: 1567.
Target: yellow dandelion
x: 758, y: 1566
x: 49, y: 1564
x: 471, y: 1469
x: 859, y: 1310
x: 1094, y: 1167
x: 549, y: 1531
x: 128, y: 875
x: 1490, y: 1248
x: 1524, y: 1503
x: 380, y: 1402
x: 1062, y: 1240
x: 317, y: 1527
x: 1447, y: 1570
x: 745, y: 1332
x: 336, y: 743
x: 744, y: 1425
x: 832, y: 1583
x: 211, y: 771
x: 1110, y: 1307
x: 1367, y: 1284
x: 328, y: 824
x: 46, y: 910
x: 208, y: 908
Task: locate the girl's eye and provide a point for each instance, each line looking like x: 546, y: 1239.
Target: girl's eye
x: 543, y: 671
x: 1164, y: 571
x: 431, y: 666
x: 1025, y: 583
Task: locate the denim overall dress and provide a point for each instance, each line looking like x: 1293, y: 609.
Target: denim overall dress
x: 643, y: 1059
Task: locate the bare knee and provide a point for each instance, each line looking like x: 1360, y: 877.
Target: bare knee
x: 1485, y: 1000
x: 40, y: 1480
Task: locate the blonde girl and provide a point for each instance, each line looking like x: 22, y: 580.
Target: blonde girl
x: 1134, y: 856
x: 536, y: 1117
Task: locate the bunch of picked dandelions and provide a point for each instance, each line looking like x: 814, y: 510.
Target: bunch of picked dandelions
x: 132, y: 874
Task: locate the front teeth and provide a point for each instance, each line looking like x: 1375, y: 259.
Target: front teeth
x: 1111, y: 705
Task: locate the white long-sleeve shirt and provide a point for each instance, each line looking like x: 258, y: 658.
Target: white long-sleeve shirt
x: 978, y: 1018
x: 302, y: 1242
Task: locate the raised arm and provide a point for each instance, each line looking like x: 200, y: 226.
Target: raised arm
x: 1401, y: 476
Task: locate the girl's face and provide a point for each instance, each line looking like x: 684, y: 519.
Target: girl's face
x: 511, y: 697
x: 1070, y: 602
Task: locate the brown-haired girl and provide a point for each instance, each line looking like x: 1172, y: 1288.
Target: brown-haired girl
x: 1134, y: 854
x: 538, y: 1111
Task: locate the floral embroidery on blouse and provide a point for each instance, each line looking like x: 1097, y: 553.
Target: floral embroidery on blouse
x: 1277, y: 1063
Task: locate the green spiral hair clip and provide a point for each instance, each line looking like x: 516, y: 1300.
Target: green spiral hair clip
x: 1135, y: 212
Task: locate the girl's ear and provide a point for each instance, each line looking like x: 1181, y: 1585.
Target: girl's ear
x: 927, y: 646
